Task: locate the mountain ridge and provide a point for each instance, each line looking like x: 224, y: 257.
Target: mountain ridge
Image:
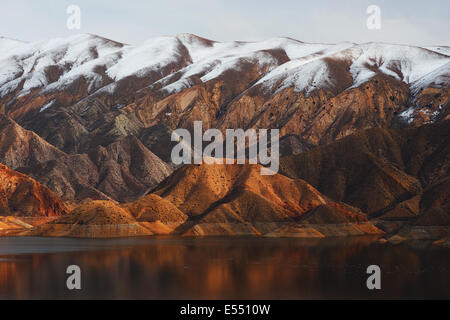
x: 91, y: 118
x: 89, y: 89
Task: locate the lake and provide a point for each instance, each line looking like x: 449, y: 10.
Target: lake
x: 221, y: 268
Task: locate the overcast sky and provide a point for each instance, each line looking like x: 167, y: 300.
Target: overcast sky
x: 132, y: 21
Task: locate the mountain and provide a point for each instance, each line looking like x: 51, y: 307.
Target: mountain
x: 395, y: 180
x: 210, y: 200
x: 385, y: 173
x: 93, y: 219
x: 84, y: 91
x: 23, y: 148
x: 149, y: 215
x: 428, y: 215
x: 127, y: 169
x: 156, y: 214
x: 428, y: 208
x: 237, y: 199
x: 123, y: 170
x: 364, y: 136
x: 21, y: 196
x: 215, y: 200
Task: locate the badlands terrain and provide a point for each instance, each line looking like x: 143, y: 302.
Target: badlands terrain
x: 86, y: 123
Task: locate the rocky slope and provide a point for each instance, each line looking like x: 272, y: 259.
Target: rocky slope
x: 237, y: 199
x: 93, y: 219
x: 428, y: 214
x: 123, y: 170
x: 147, y: 216
x: 156, y: 214
x: 21, y: 196
x: 216, y: 200
x: 399, y: 177
x: 376, y: 169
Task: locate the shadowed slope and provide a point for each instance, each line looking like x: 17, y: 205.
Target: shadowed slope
x: 377, y: 168
x: 123, y: 170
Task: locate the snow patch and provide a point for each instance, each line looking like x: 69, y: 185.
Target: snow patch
x: 46, y: 106
x: 407, y: 115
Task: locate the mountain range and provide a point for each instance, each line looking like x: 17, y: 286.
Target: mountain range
x: 364, y: 136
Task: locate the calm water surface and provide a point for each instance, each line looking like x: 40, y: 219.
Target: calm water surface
x: 220, y: 268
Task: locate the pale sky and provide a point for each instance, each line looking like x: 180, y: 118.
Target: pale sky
x: 416, y: 22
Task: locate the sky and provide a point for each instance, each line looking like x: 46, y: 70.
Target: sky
x: 416, y: 22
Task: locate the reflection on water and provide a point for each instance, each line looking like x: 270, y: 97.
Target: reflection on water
x: 220, y: 268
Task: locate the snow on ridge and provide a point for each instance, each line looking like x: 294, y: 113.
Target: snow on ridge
x: 308, y: 72
x: 440, y: 77
x: 7, y: 45
x: 211, y: 59
x: 152, y: 54
x: 439, y: 49
x: 81, y: 55
x: 263, y: 59
x: 46, y: 106
x: 30, y: 61
x: 200, y: 48
x: 405, y: 63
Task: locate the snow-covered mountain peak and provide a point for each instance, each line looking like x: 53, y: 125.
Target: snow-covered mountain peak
x: 281, y: 62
